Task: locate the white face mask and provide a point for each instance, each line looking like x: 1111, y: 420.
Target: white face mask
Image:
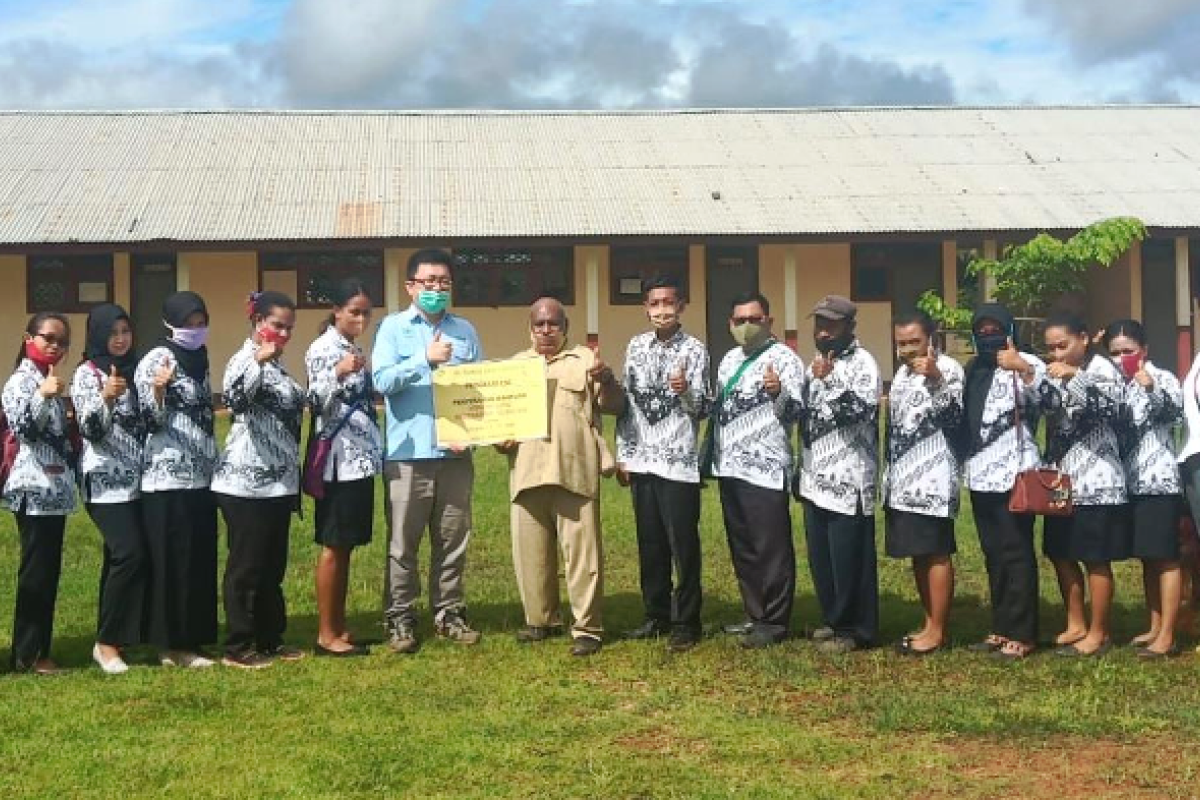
x: 189, y: 338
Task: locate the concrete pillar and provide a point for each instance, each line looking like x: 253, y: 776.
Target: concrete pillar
x: 1183, y: 306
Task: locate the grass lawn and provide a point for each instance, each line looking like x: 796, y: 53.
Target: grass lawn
x: 504, y: 720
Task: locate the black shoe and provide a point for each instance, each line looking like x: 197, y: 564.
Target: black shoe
x: 682, y: 640
x: 585, y: 646
x: 247, y: 660
x: 355, y: 650
x: 650, y: 629
x: 538, y: 633
x: 759, y: 638
x: 738, y: 628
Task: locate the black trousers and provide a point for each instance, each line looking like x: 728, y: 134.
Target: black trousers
x: 667, y: 514
x: 255, y: 612
x: 842, y: 559
x: 758, y: 524
x: 1008, y: 553
x: 181, y: 538
x: 37, y: 587
x: 123, y: 583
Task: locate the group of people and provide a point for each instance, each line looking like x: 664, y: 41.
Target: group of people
x: 134, y: 439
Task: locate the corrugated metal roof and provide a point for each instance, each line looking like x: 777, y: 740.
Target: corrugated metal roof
x: 204, y: 176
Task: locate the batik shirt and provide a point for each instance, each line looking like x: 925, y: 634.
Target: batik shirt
x: 923, y: 471
x: 356, y: 451
x: 752, y: 438
x: 180, y: 450
x: 42, y: 481
x: 1081, y: 436
x: 262, y: 452
x: 839, y: 429
x: 1148, y: 434
x: 113, y: 438
x: 656, y: 434
x: 1003, y: 452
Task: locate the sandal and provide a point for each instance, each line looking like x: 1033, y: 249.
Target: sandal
x: 1012, y: 650
x: 905, y: 648
x: 991, y: 644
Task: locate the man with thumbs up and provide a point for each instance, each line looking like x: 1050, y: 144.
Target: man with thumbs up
x: 837, y: 478
x: 428, y: 487
x: 666, y: 380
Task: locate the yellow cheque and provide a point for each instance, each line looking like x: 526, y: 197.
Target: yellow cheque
x: 490, y: 402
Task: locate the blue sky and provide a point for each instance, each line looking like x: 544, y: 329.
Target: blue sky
x: 594, y: 53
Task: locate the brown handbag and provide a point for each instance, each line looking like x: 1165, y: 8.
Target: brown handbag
x: 1042, y: 490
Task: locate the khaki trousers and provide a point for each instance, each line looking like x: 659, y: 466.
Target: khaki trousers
x: 539, y: 517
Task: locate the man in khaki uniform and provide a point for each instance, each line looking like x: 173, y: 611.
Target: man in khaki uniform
x: 554, y: 486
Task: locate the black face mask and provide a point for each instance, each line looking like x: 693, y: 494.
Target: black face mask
x: 836, y: 345
x: 987, y: 345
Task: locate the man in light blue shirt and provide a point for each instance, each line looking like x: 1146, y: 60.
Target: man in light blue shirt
x: 428, y: 487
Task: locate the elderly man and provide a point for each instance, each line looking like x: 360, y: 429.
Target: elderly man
x: 554, y: 486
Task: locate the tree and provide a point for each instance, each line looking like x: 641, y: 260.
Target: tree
x: 1030, y: 277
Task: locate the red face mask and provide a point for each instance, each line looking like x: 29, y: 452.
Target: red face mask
x: 35, y: 354
x: 1131, y: 363
x: 271, y: 336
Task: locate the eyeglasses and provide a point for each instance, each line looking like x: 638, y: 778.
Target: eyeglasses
x: 433, y: 283
x: 52, y: 340
x: 756, y: 319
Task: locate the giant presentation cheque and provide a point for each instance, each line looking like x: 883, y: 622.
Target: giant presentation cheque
x: 491, y: 402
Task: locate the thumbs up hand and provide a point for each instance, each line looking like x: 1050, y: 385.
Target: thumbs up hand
x: 162, y: 378
x: 678, y: 381
x: 1144, y: 379
x: 1010, y: 358
x: 600, y: 372
x: 438, y: 352
x: 822, y: 366
x: 52, y: 385
x: 926, y: 366
x: 114, y: 386
x: 771, y: 380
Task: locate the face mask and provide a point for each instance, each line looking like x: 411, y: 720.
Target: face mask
x: 1131, y: 363
x: 269, y: 335
x: 189, y: 338
x: 836, y: 345
x: 748, y: 334
x: 988, y: 345
x: 663, y: 319
x: 35, y: 354
x: 432, y: 301
x: 908, y: 356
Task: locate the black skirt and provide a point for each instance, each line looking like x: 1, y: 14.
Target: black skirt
x: 1156, y: 527
x: 909, y: 535
x: 1093, y: 534
x: 346, y: 514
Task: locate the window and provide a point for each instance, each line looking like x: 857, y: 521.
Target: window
x: 316, y: 274
x: 70, y: 284
x: 513, y: 276
x: 895, y: 272
x: 629, y: 266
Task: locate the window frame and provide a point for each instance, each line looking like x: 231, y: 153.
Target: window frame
x: 294, y: 261
x: 79, y: 269
x: 490, y: 263
x: 645, y: 261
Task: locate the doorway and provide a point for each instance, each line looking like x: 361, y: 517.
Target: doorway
x: 729, y: 271
x: 153, y: 280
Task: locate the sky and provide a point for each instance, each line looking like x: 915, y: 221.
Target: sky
x: 588, y: 54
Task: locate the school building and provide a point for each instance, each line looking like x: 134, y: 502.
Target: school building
x: 876, y: 204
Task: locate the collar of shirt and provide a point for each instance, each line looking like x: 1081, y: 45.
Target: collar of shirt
x: 413, y: 315
x: 671, y: 340
x: 566, y: 352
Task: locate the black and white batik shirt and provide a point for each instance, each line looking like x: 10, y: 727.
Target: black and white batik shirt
x: 656, y: 434
x: 356, y: 451
x: 262, y: 451
x: 839, y: 429
x: 113, y: 439
x: 1148, y: 434
x: 180, y: 450
x: 1081, y: 435
x: 42, y: 480
x: 752, y: 439
x: 923, y: 472
x: 993, y: 463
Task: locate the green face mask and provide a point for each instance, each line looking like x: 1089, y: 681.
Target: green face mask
x: 748, y: 334
x: 433, y: 302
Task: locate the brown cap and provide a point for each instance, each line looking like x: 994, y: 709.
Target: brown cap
x: 834, y: 306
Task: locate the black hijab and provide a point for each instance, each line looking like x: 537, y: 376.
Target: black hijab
x: 100, y: 323
x: 176, y: 310
x: 980, y: 371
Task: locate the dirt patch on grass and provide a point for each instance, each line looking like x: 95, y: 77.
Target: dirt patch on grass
x: 1067, y: 769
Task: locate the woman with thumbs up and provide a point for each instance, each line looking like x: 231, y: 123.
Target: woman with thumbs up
x: 113, y: 429
x: 40, y: 488
x: 178, y: 510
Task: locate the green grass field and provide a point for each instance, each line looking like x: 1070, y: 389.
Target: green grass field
x: 505, y: 720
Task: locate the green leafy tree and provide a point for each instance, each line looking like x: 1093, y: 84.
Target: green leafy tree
x: 1030, y: 277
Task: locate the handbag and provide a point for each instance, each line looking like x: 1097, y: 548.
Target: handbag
x: 1042, y: 490
x: 316, y: 456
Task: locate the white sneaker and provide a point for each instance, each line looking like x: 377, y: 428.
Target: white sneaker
x: 113, y: 666
x: 182, y: 658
